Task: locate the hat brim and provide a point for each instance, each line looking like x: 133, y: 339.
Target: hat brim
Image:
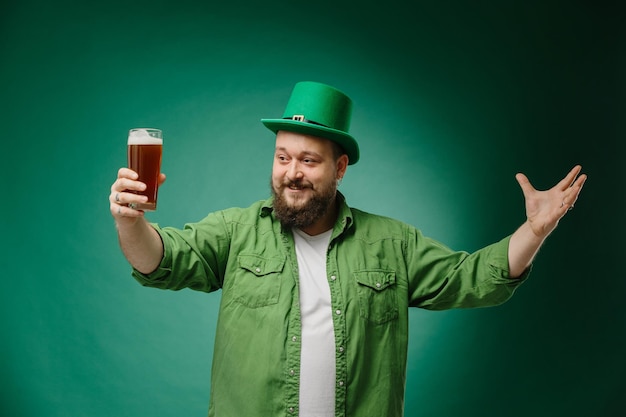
x: 347, y: 142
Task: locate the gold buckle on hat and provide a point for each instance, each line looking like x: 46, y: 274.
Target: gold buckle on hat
x: 298, y: 117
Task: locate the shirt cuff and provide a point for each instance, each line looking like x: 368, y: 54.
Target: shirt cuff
x: 165, y: 267
x: 499, y: 265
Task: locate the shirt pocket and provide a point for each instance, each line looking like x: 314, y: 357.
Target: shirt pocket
x: 257, y: 281
x: 378, y: 298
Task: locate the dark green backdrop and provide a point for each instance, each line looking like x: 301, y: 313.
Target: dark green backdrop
x: 451, y: 100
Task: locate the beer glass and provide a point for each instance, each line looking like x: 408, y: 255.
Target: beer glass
x: 144, y: 157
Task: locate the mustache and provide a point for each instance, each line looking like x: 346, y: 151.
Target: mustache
x: 296, y: 184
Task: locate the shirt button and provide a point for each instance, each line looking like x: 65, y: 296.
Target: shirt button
x: 258, y: 269
x: 332, y: 277
x: 292, y: 372
x: 341, y: 383
x: 294, y: 339
x: 340, y: 349
x: 291, y: 410
x: 338, y: 312
x: 378, y: 285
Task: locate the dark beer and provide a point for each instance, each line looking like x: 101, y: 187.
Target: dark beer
x: 144, y: 157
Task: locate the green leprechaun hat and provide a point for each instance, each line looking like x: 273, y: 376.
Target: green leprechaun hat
x: 319, y: 110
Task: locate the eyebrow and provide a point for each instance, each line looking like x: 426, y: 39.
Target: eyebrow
x: 303, y: 153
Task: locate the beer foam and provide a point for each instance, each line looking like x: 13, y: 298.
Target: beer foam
x: 142, y: 137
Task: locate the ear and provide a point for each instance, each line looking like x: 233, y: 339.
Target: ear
x: 342, y: 165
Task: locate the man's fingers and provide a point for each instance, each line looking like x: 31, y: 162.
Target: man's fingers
x: 123, y: 184
x: 570, y: 178
x: 125, y: 198
x: 524, y: 183
x: 119, y: 210
x: 127, y: 173
x: 580, y: 181
x: 122, y: 204
x: 575, y: 189
x: 124, y: 195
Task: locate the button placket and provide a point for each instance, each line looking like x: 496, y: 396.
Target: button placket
x: 339, y: 318
x: 292, y: 365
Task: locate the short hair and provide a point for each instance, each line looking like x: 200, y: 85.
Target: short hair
x: 337, y: 150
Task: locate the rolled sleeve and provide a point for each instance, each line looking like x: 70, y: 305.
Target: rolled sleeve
x: 499, y: 264
x: 479, y: 279
x: 164, y: 269
x: 191, y: 257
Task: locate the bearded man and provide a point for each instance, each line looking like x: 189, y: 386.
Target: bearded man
x: 313, y: 315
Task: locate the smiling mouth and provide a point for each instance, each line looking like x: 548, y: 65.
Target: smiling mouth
x: 296, y: 186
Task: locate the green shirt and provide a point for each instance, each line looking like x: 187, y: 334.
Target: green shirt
x: 376, y: 267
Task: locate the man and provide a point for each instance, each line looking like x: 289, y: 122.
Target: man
x: 314, y: 308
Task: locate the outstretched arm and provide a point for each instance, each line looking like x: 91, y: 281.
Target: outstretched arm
x: 544, y: 209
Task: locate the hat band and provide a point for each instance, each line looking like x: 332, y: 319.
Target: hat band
x: 301, y: 118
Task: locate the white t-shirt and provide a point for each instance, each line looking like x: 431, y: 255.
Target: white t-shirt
x: 317, y: 364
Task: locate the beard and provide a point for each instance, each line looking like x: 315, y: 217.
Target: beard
x: 307, y: 213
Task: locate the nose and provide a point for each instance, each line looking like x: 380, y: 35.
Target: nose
x: 293, y: 171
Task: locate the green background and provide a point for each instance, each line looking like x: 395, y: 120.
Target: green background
x: 451, y: 100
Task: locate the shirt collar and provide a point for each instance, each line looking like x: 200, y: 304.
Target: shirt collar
x: 344, y: 218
